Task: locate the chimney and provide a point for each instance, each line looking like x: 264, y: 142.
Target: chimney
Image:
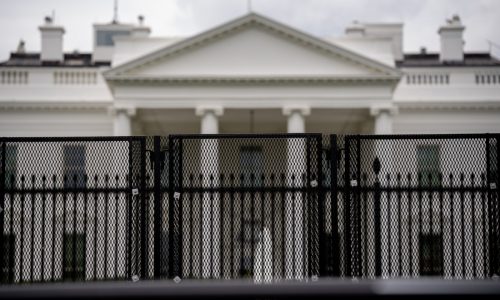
x: 52, y: 41
x: 21, y: 47
x: 141, y: 30
x: 452, y: 43
x: 355, y: 29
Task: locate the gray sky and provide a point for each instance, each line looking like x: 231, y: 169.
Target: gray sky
x: 19, y: 19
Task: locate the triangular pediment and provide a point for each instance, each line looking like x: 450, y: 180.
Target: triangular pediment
x: 252, y: 47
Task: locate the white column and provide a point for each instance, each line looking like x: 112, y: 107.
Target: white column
x: 294, y: 217
x: 209, y: 168
x: 383, y: 151
x: 122, y: 126
x: 209, y: 122
x: 383, y: 118
x: 296, y: 122
x: 122, y: 123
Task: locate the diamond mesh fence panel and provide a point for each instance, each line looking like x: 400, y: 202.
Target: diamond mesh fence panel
x: 261, y: 207
x: 421, y: 206
x: 71, y: 209
x: 245, y: 206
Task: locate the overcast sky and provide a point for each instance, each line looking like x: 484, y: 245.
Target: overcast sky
x: 19, y: 19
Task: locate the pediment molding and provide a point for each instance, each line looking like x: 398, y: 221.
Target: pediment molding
x: 255, y: 79
x: 255, y: 21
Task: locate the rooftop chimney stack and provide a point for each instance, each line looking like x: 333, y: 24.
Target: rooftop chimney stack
x: 21, y: 47
x: 141, y: 30
x: 52, y: 41
x: 452, y: 42
x: 355, y: 29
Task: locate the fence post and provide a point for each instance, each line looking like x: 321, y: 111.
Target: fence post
x: 144, y: 232
x: 334, y: 242
x: 320, y: 192
x: 347, y: 210
x: 170, y: 245
x: 497, y: 187
x: 493, y: 203
x: 491, y: 212
x: 357, y: 210
x: 2, y: 210
x: 158, y: 211
x: 377, y: 237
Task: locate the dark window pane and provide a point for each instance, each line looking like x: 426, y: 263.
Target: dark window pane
x: 10, y: 165
x: 74, y: 252
x: 429, y: 164
x: 74, y: 166
x: 431, y: 254
x: 105, y: 37
x: 8, y: 241
x: 251, y: 163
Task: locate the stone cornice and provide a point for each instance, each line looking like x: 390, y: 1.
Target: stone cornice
x: 252, y: 79
x: 436, y: 106
x: 55, y: 106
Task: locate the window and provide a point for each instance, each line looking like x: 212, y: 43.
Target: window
x: 431, y: 254
x: 7, y: 257
x: 74, y: 252
x: 105, y: 37
x: 429, y: 164
x: 74, y: 166
x: 10, y: 165
x: 251, y: 163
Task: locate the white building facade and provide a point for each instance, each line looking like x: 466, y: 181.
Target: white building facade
x: 248, y: 75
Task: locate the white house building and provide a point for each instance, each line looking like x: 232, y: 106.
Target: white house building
x: 251, y: 74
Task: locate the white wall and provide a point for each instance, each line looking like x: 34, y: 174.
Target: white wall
x: 447, y: 121
x: 33, y: 122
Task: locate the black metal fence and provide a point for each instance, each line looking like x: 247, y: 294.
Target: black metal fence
x: 263, y: 207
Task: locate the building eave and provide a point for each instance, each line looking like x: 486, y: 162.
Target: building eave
x: 251, y: 79
x: 55, y: 105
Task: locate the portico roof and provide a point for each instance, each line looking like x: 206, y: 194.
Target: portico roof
x: 252, y: 48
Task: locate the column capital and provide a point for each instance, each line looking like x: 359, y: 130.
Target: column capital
x: 378, y: 109
x: 202, y: 110
x: 130, y: 111
x: 303, y: 110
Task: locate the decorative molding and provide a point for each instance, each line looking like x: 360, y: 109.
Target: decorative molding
x: 439, y: 106
x: 253, y: 79
x: 130, y: 111
x: 303, y: 110
x: 55, y: 106
x: 376, y: 110
x: 202, y: 110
